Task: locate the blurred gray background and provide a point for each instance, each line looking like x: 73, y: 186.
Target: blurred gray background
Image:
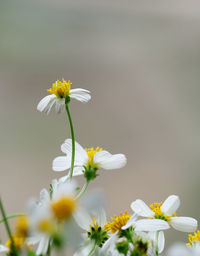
x: 141, y: 62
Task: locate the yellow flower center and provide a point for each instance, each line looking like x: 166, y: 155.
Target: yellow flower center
x: 60, y: 88
x: 117, y: 222
x: 63, y: 208
x: 91, y: 152
x: 45, y: 225
x: 19, y: 243
x: 156, y: 208
x: 193, y: 238
x: 21, y: 226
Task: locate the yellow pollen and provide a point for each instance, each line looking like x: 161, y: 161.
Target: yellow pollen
x: 63, y: 208
x: 21, y: 226
x: 19, y: 242
x: 91, y: 152
x: 156, y: 208
x: 193, y: 238
x: 45, y: 226
x: 60, y: 88
x: 117, y: 222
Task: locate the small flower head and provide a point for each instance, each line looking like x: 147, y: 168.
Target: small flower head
x: 21, y: 226
x: 87, y: 161
x: 156, y: 208
x: 117, y: 222
x: 194, y: 239
x: 19, y: 243
x: 61, y: 93
x: 161, y: 216
x: 63, y: 208
x: 97, y: 233
x: 60, y: 88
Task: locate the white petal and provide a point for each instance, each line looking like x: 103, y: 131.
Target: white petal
x: 151, y: 225
x: 80, y: 94
x: 139, y: 207
x: 131, y: 222
x: 32, y: 240
x: 44, y: 196
x: 107, y: 161
x: 170, y: 205
x: 83, y: 219
x: 184, y: 224
x: 45, y: 103
x: 81, y: 156
x: 161, y: 240
x: 101, y: 218
x: 61, y: 163
x: 43, y: 246
x: 59, y: 105
x: 3, y: 249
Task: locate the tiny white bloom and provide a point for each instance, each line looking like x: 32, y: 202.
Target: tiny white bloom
x: 94, y: 232
x: 86, y: 158
x: 59, y: 92
x: 162, y: 215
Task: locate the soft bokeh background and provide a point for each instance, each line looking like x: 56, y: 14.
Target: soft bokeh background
x: 141, y: 61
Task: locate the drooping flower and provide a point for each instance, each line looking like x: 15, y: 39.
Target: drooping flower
x: 87, y: 161
x: 161, y: 216
x: 59, y: 92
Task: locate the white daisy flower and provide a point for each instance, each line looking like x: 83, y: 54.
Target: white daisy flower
x: 59, y: 92
x: 46, y: 214
x: 90, y: 159
x: 95, y: 235
x: 162, y: 215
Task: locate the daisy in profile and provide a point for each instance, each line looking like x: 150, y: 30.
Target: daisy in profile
x: 161, y: 216
x: 87, y: 161
x: 60, y: 93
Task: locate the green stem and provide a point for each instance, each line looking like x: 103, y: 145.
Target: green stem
x: 92, y: 250
x: 12, y: 216
x: 73, y: 140
x: 157, y: 234
x: 83, y: 190
x: 49, y: 249
x: 8, y: 229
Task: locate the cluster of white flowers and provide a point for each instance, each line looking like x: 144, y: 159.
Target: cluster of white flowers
x: 65, y: 220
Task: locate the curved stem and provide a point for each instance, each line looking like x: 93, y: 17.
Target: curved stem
x: 157, y: 234
x: 92, y: 250
x: 13, y: 246
x: 12, y: 216
x: 83, y: 190
x: 73, y: 140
